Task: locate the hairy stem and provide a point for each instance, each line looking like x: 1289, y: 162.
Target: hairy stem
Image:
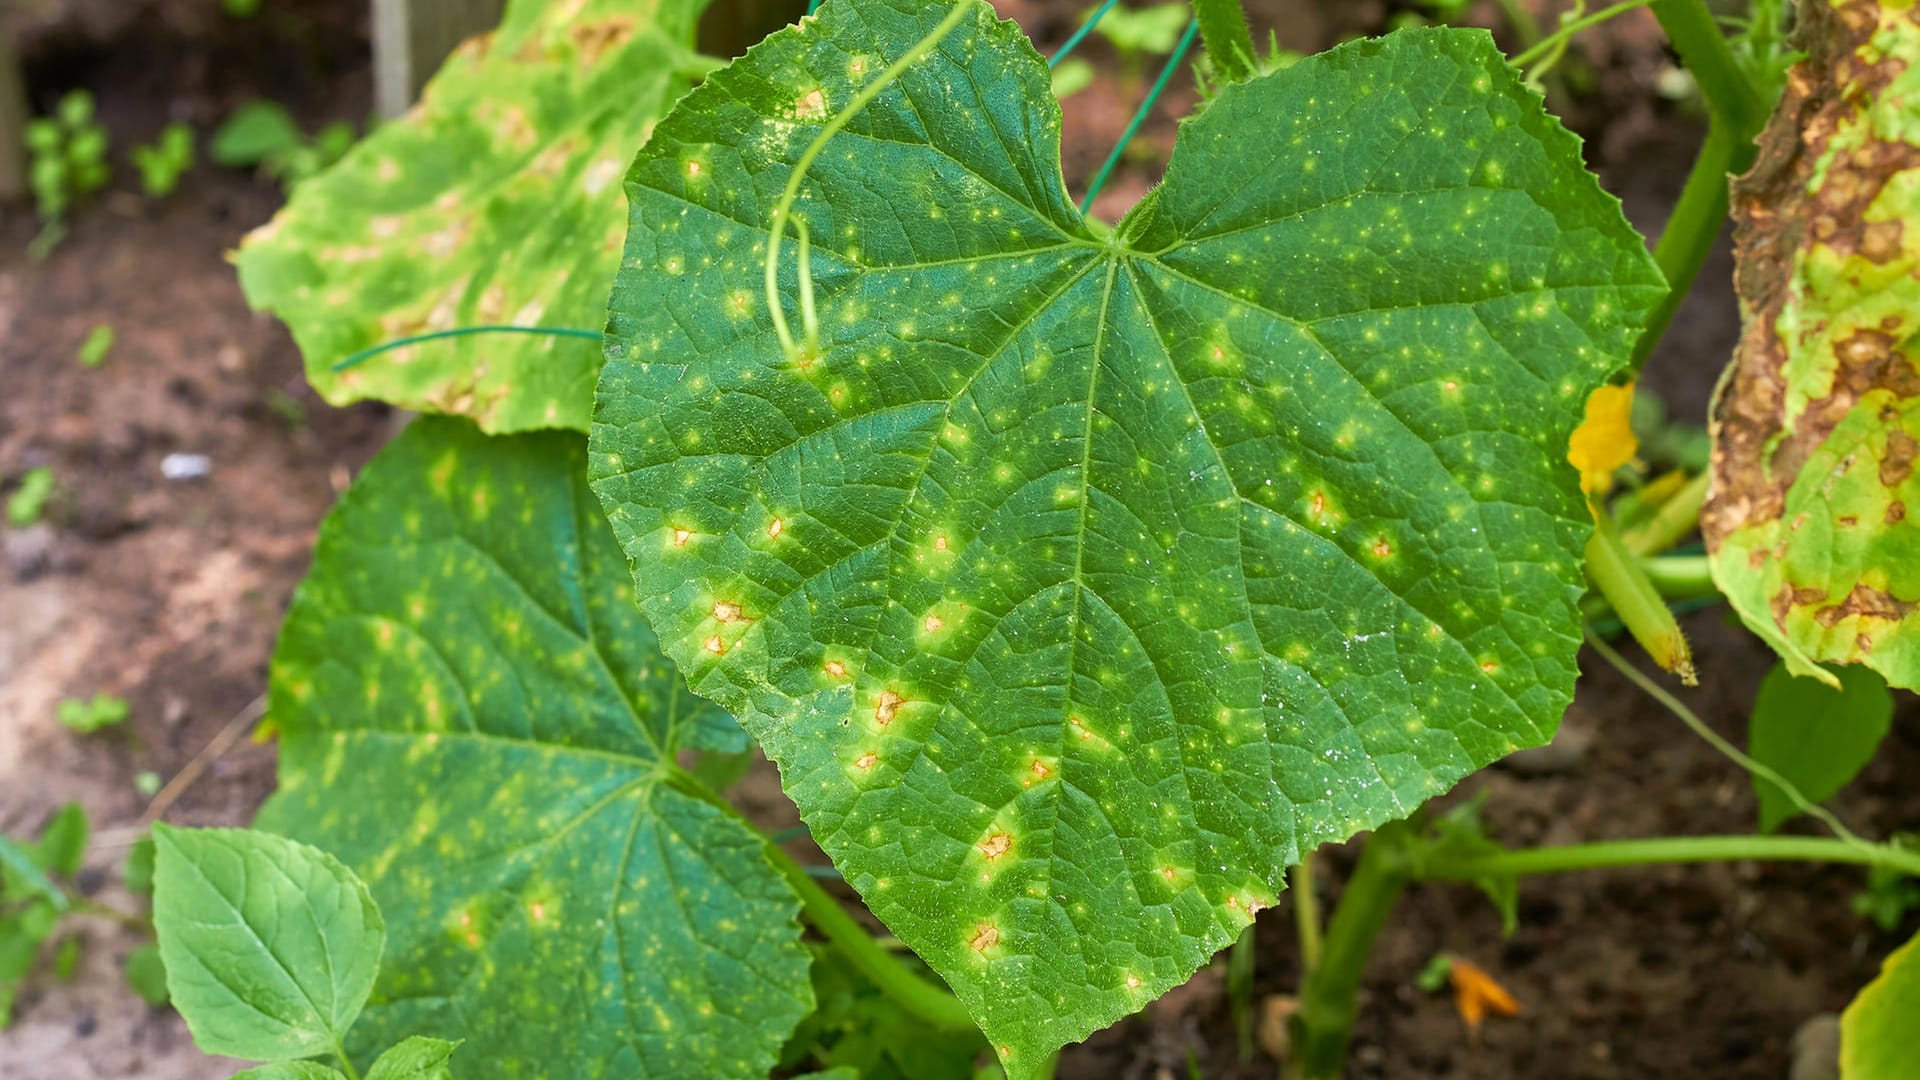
x: 1668, y: 850
x: 1731, y: 97
x: 1671, y: 523
x: 1229, y: 45
x: 1329, y: 997
x: 1690, y: 232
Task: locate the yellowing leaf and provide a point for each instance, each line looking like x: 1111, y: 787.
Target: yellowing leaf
x: 1604, y: 441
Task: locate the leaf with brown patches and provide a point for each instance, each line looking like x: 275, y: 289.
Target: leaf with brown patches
x: 1815, y: 428
x: 495, y: 201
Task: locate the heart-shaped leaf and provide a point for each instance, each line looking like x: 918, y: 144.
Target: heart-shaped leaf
x: 475, y: 717
x: 1083, y: 579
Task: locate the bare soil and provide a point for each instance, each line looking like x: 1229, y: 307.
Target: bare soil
x: 169, y: 594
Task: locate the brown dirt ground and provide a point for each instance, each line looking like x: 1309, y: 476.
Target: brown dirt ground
x: 168, y: 594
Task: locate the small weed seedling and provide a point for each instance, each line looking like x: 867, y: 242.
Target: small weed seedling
x: 35, y: 906
x: 29, y: 500
x: 86, y: 716
x: 263, y: 135
x: 1081, y: 577
x: 69, y: 160
x: 163, y: 162
x: 93, y: 351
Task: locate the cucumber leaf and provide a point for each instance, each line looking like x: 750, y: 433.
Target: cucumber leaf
x: 1813, y: 518
x: 1082, y: 579
x: 495, y: 201
x: 1876, y: 1030
x: 475, y: 717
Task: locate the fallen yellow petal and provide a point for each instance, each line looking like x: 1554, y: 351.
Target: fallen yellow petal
x: 1604, y: 441
x: 1475, y: 993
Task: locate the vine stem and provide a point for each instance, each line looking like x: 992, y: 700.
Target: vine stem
x: 933, y: 1004
x: 1140, y: 114
x: 1669, y: 850
x: 1306, y: 914
x: 1731, y: 752
x: 783, y: 210
x: 1329, y: 995
x: 1540, y: 48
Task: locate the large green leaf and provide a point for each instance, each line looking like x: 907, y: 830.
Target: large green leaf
x: 476, y: 718
x: 1877, y: 1029
x: 270, y: 946
x: 1082, y: 581
x: 1817, y: 426
x: 493, y: 202
x: 1817, y: 737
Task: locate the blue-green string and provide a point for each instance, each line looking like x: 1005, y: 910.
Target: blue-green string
x: 1140, y: 115
x: 1081, y: 34
x: 464, y: 331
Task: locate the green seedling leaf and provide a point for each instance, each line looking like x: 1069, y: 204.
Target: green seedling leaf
x: 475, y: 715
x: 1081, y: 580
x: 84, y: 717
x: 1814, y: 736
x: 136, y: 871
x: 495, y: 201
x: 1460, y: 835
x: 1434, y: 977
x: 270, y: 946
x: 63, y: 843
x: 29, y: 500
x: 147, y: 974
x: 1877, y: 1028
x: 93, y: 351
x: 1887, y: 898
x: 418, y: 1058
x: 1154, y: 29
x: 22, y: 930
x: 21, y: 875
x: 256, y: 133
x: 66, y: 957
x: 1071, y: 77
x: 1817, y: 425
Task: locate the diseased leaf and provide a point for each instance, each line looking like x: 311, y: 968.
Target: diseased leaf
x: 270, y: 946
x: 495, y: 201
x: 475, y: 716
x: 1082, y: 581
x: 1816, y: 737
x: 1817, y: 425
x: 1877, y: 1028
x: 418, y: 1058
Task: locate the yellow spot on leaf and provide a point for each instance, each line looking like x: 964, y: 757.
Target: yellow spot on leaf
x: 995, y: 845
x: 986, y: 937
x: 866, y: 760
x: 836, y: 669
x: 890, y: 703
x: 715, y: 646
x: 726, y: 612
x: 775, y: 528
